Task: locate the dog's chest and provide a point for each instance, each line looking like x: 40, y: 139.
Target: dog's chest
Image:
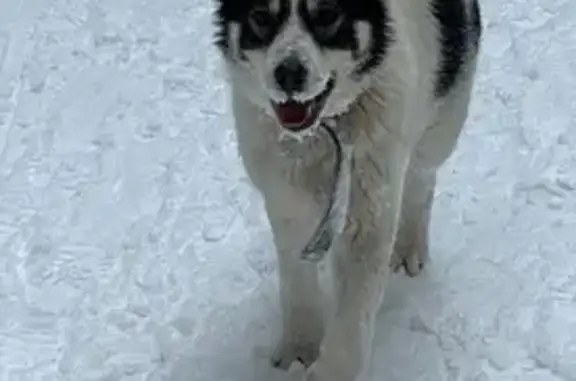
x: 322, y: 167
x: 308, y: 164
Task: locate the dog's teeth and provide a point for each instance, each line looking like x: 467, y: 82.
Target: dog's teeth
x: 309, y: 110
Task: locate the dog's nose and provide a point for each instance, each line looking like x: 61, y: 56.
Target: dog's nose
x: 290, y: 75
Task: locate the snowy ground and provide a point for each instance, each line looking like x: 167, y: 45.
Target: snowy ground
x: 132, y: 247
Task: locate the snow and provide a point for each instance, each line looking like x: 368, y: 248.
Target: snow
x: 133, y: 248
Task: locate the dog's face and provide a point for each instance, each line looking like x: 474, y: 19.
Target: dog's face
x: 302, y: 60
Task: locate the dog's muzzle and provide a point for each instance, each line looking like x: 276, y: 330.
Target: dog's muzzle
x: 297, y: 116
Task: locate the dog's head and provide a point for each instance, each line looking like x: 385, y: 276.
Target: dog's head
x: 302, y: 60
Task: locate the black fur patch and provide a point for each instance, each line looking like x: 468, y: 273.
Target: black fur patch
x: 476, y: 23
x: 239, y: 11
x: 373, y: 12
x: 459, y: 33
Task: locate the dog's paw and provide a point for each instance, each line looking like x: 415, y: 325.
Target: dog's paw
x: 289, y: 352
x: 297, y: 371
x: 413, y: 258
x: 327, y: 368
x: 414, y: 263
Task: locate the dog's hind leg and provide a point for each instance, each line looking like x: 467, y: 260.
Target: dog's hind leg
x: 432, y: 150
x: 411, y: 246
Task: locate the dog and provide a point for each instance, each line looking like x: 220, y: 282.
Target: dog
x: 394, y: 79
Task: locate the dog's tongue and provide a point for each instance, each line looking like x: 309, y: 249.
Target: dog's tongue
x: 292, y: 113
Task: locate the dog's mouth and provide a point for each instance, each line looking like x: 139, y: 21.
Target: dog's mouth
x: 297, y: 116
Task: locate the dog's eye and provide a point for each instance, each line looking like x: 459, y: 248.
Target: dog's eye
x: 261, y: 20
x: 327, y: 18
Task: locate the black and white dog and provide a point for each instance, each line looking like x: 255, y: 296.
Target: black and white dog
x: 394, y: 79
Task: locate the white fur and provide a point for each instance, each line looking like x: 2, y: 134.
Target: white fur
x: 400, y: 134
x: 363, y: 30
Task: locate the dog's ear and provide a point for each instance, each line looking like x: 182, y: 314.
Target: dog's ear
x: 221, y: 33
x: 227, y: 16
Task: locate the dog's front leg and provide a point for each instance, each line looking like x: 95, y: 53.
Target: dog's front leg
x: 292, y: 213
x: 363, y: 258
